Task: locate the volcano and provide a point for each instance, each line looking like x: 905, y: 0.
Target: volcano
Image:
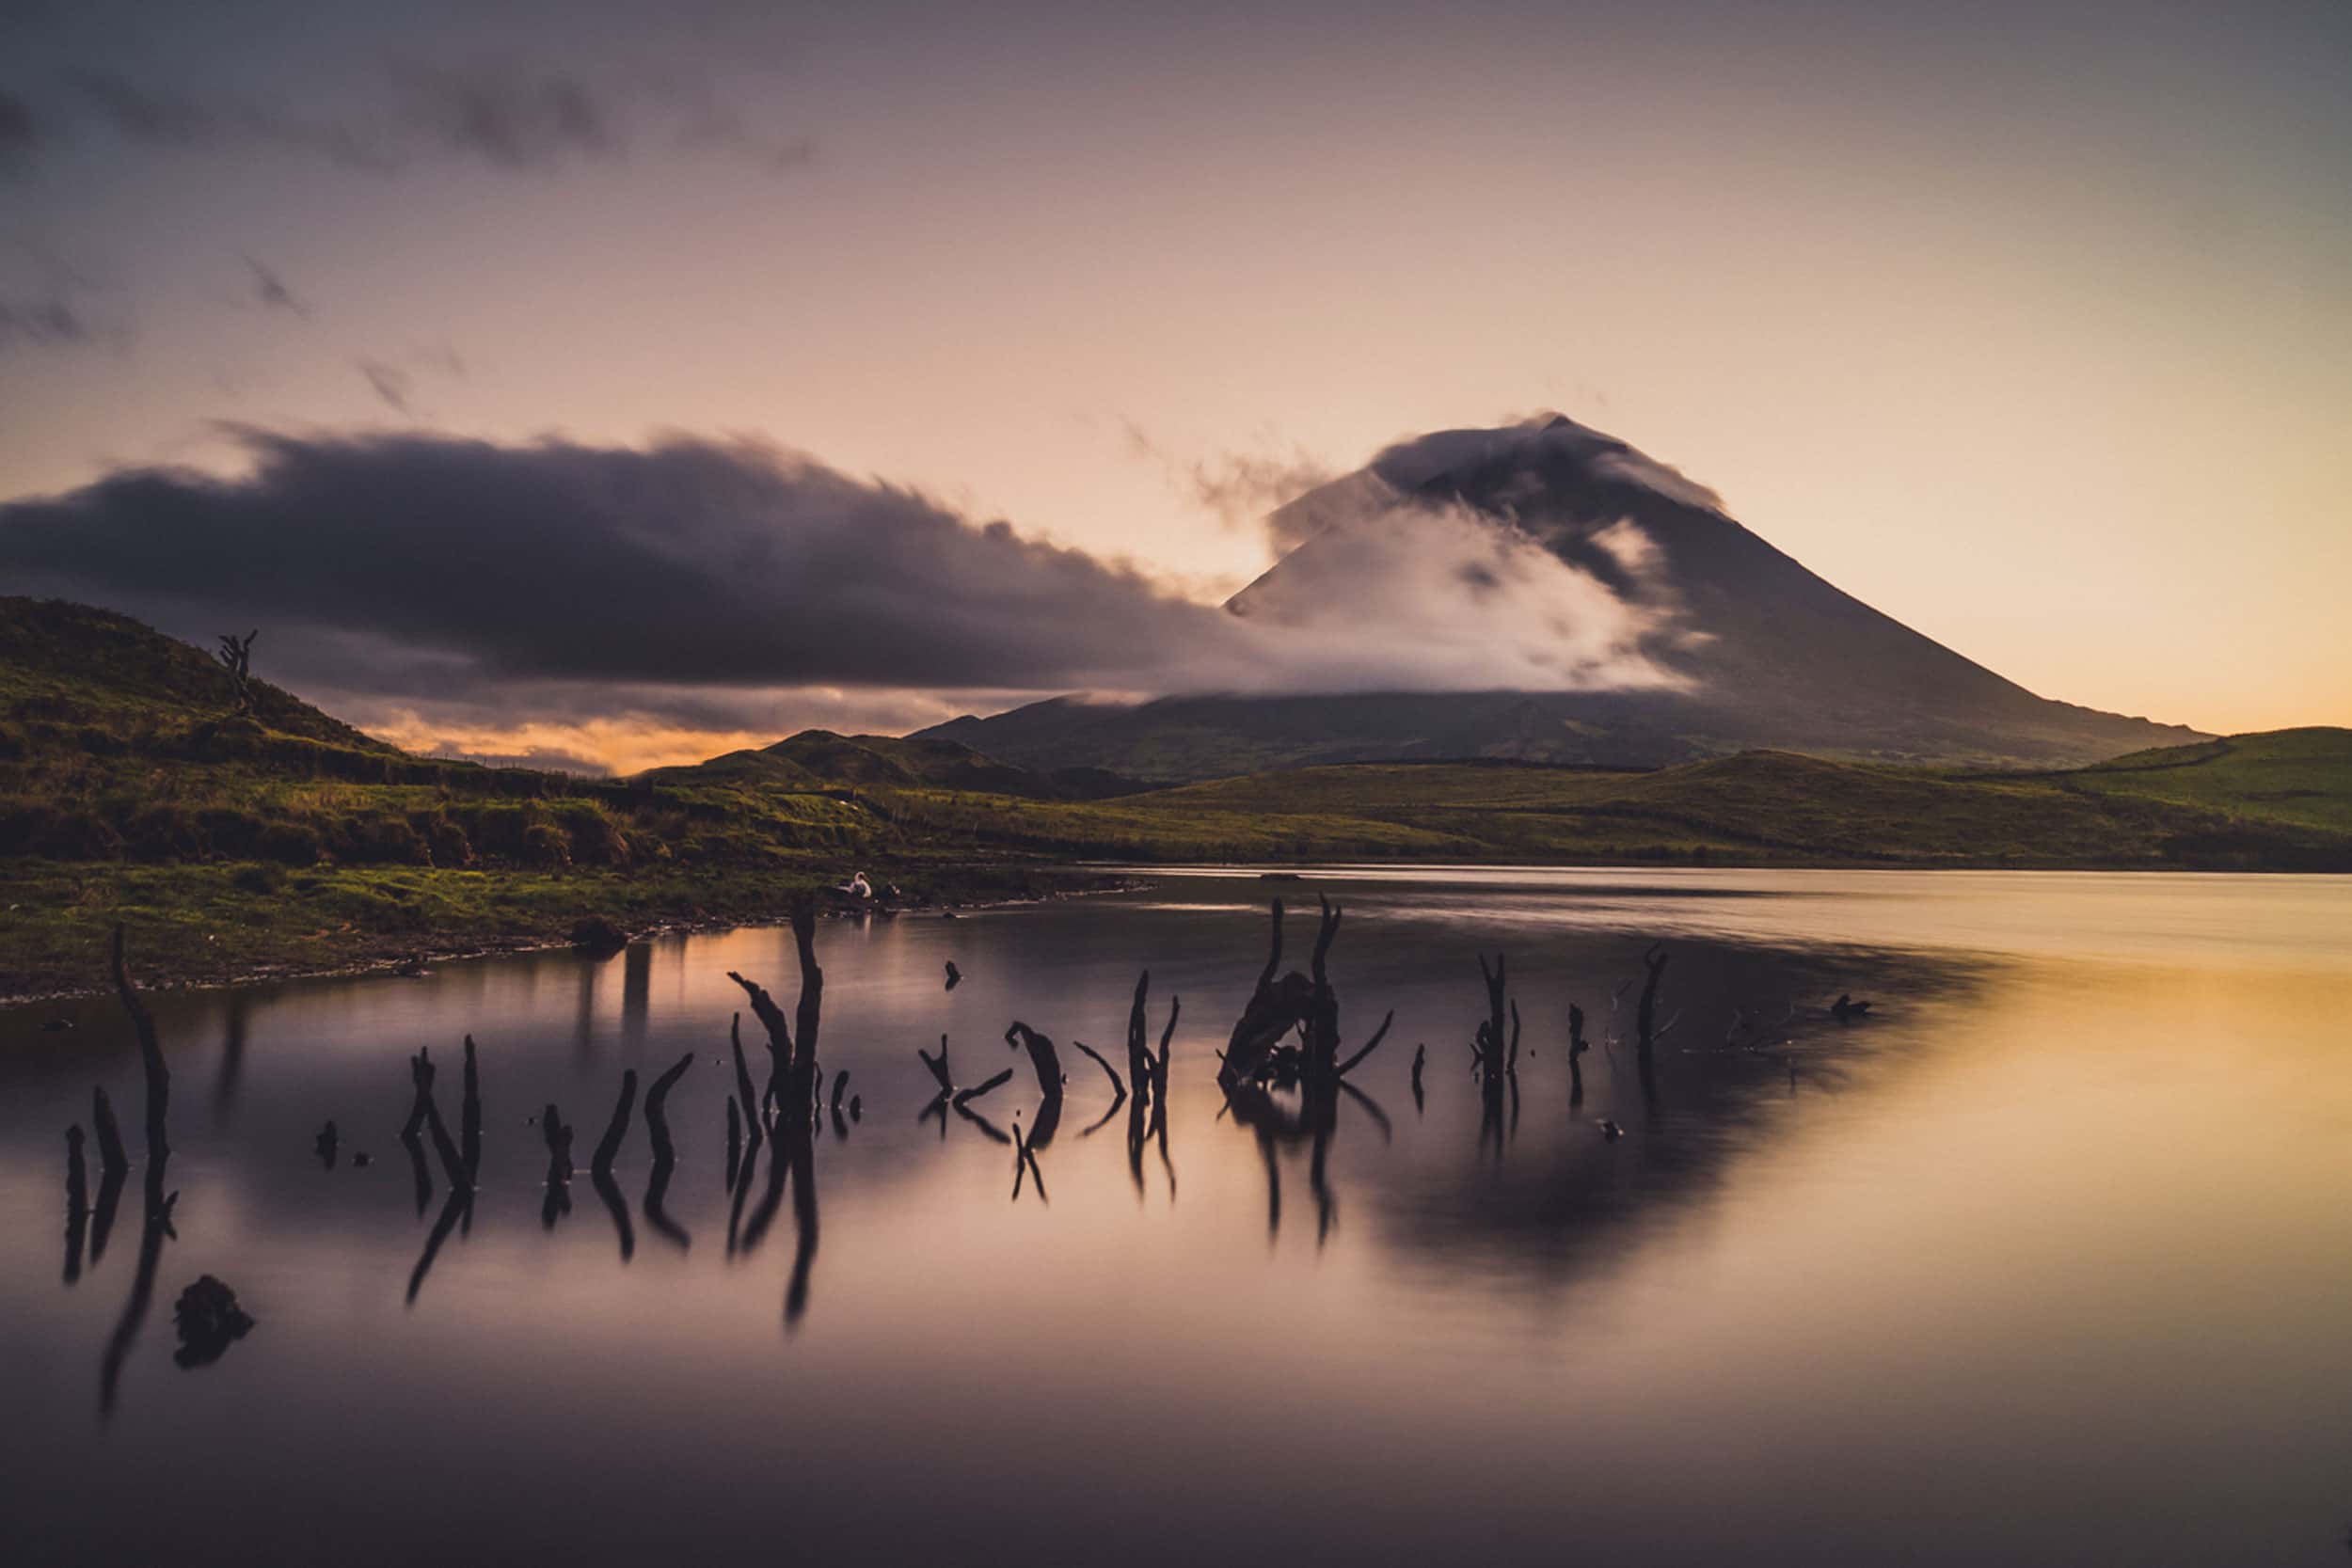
x: 1685, y: 635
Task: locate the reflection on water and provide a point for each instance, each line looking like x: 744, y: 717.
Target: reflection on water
x: 1523, y: 1215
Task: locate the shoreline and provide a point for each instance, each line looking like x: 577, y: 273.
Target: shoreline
x: 384, y: 954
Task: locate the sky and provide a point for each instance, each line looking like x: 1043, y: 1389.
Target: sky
x: 550, y: 360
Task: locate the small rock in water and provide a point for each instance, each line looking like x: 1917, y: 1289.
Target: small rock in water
x: 209, y: 1321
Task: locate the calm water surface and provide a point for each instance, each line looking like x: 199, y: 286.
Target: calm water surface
x: 2050, y: 1261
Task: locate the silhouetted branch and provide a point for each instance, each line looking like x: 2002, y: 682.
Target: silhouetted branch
x: 964, y: 1097
x: 235, y: 655
x: 1369, y: 1046
x: 1119, y: 1088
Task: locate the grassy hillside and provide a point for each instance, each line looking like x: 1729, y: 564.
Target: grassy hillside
x: 1758, y: 808
x: 282, y: 839
x: 2287, y: 776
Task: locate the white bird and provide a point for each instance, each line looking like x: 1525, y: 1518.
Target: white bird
x: 856, y: 887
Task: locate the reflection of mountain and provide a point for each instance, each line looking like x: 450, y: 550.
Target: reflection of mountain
x: 1688, y: 635
x: 1563, y: 1200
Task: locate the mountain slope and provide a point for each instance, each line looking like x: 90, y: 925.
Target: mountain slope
x: 1723, y: 642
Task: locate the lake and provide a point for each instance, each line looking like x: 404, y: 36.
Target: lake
x: 2045, y: 1259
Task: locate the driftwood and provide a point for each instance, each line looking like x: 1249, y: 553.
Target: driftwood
x: 656, y: 1118
x: 1139, y: 1040
x: 419, y: 1171
x: 426, y: 1112
x: 1646, y: 1031
x: 792, y: 1046
x: 558, y: 1138
x: 1024, y: 1158
x: 159, y: 1203
x: 453, y: 1209
x: 1046, y: 1062
x: 102, y: 1114
x: 664, y: 1152
x: 615, y: 1131
x: 610, y: 1191
x: 744, y: 1090
x: 951, y: 1095
x: 1654, y: 961
x: 469, y: 1117
x: 151, y: 1056
x: 735, y: 1141
x: 421, y: 1072
x: 1260, y: 1061
x: 77, y: 1202
x: 1119, y: 1088
x: 1494, y: 1056
x: 1044, y: 1058
x: 995, y: 1080
x: 1578, y: 1045
x: 1275, y: 1008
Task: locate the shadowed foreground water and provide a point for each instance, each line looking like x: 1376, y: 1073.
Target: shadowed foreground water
x: 2048, y: 1260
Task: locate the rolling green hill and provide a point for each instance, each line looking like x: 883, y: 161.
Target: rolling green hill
x: 1757, y: 807
x: 282, y: 839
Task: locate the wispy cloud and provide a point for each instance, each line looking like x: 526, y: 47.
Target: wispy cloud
x: 41, y: 320
x: 1238, y: 488
x: 497, y: 112
x: 271, y: 293
x: 395, y: 380
x: 392, y: 386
